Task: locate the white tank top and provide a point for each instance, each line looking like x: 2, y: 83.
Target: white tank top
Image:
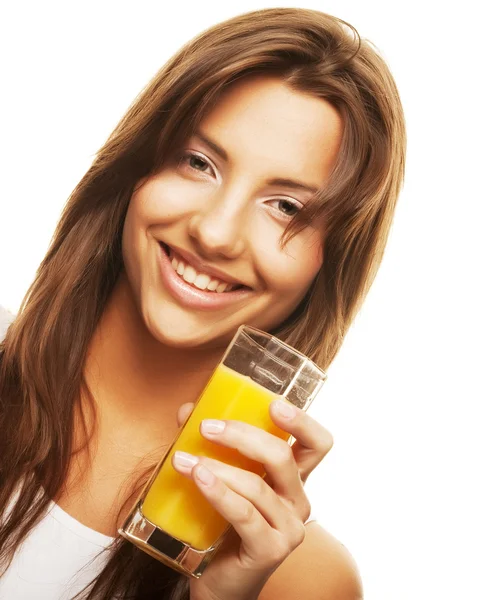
x: 46, y: 565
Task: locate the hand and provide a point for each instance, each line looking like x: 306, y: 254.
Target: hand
x: 268, y: 514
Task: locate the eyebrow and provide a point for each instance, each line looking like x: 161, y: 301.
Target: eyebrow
x: 222, y: 153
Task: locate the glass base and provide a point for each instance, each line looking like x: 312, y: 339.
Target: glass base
x: 164, y: 547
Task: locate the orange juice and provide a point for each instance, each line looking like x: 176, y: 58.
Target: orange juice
x: 173, y: 501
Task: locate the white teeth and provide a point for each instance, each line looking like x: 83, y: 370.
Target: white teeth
x: 199, y: 280
x: 189, y: 274
x: 213, y: 284
x: 222, y: 287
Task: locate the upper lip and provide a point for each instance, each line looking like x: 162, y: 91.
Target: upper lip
x: 202, y: 267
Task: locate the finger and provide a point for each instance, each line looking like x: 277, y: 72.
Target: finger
x: 310, y: 433
x: 313, y: 440
x: 249, y: 485
x: 272, y: 452
x: 247, y: 521
x: 184, y: 412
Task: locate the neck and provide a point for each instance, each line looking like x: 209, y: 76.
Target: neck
x: 139, y: 383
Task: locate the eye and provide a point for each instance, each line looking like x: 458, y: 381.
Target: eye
x: 193, y: 161
x: 287, y: 208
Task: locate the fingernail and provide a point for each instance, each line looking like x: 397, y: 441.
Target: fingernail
x: 285, y: 409
x: 212, y: 426
x: 204, y: 475
x: 183, y: 459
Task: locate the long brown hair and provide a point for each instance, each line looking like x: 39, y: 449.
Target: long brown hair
x: 43, y: 354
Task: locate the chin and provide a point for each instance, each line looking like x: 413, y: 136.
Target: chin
x: 186, y: 331
x: 181, y: 328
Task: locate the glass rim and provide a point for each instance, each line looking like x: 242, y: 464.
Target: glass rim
x: 321, y: 374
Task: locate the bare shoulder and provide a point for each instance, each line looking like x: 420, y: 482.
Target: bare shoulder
x: 320, y: 568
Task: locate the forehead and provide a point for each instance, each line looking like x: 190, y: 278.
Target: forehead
x: 263, y: 123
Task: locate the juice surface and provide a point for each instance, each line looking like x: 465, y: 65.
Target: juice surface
x: 173, y: 502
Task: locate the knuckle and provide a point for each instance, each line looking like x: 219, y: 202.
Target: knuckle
x: 283, y: 456
x: 307, y: 508
x: 300, y: 534
x: 246, y: 513
x: 296, y: 528
x: 260, y: 486
x: 328, y: 442
x: 221, y: 493
x: 279, y: 551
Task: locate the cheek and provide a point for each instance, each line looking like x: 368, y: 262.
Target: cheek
x: 157, y: 200
x: 162, y: 198
x: 290, y: 271
x: 143, y: 205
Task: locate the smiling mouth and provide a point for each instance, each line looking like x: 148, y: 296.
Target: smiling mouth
x: 199, y: 280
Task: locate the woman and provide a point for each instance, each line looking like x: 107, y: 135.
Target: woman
x: 107, y: 355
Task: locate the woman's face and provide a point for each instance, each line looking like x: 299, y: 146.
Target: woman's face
x: 217, y: 217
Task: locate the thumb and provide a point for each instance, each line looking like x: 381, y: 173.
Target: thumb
x: 184, y: 412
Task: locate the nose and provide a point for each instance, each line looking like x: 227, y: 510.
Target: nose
x: 217, y: 228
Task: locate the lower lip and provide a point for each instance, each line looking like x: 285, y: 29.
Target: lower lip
x: 191, y: 296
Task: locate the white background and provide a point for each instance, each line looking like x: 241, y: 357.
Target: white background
x: 409, y: 487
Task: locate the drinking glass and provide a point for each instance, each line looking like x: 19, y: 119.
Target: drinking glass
x: 172, y: 520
